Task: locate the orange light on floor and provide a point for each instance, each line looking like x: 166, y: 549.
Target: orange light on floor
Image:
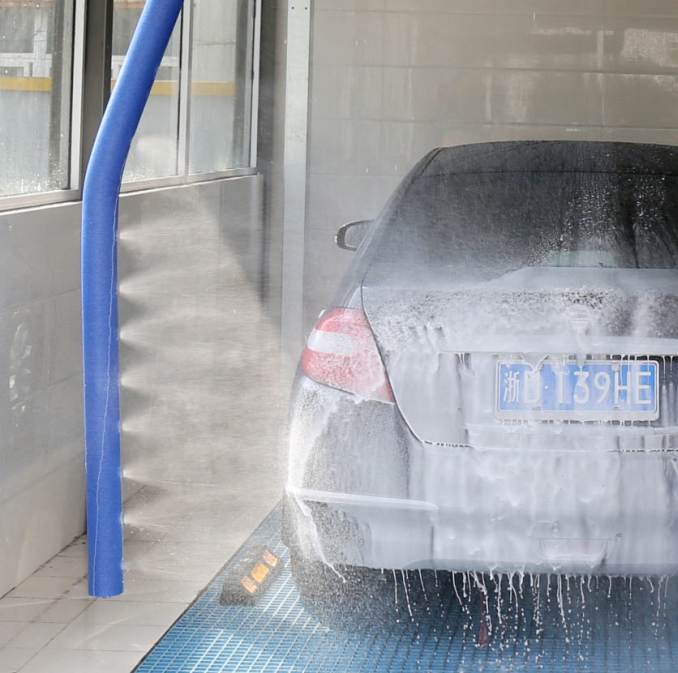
x: 254, y: 573
x: 270, y: 559
x: 251, y: 586
x: 259, y: 572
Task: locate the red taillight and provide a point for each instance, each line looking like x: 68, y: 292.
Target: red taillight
x: 341, y: 353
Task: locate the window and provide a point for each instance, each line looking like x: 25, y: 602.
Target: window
x: 125, y: 18
x: 154, y: 151
x: 220, y: 89
x: 209, y: 131
x: 36, y: 63
x: 18, y: 30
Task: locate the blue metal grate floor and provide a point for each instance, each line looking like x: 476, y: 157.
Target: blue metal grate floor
x: 571, y: 626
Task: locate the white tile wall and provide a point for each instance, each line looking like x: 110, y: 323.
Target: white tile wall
x: 438, y: 40
x: 641, y: 101
x: 660, y: 8
x: 41, y: 478
x: 45, y: 512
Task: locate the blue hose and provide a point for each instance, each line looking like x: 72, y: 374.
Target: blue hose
x: 100, y: 293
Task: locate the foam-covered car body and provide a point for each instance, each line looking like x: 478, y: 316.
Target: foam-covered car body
x: 494, y: 387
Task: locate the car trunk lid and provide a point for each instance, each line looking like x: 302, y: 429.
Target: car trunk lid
x: 441, y: 344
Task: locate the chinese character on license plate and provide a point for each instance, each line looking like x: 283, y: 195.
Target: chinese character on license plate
x: 608, y: 390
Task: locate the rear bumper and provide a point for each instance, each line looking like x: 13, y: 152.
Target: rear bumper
x: 384, y: 499
x: 379, y: 532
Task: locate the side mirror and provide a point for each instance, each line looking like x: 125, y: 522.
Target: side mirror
x: 350, y: 235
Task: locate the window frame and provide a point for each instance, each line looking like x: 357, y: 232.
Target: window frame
x: 90, y: 88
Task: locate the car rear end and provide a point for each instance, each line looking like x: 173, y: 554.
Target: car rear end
x: 513, y: 401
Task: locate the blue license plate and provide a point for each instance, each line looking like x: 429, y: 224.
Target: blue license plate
x: 609, y: 390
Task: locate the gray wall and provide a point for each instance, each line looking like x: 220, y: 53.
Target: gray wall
x: 189, y: 267
x: 392, y: 79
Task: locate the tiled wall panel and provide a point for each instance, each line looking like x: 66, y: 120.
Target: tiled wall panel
x: 41, y: 450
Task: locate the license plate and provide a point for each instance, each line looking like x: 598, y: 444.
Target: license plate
x: 608, y: 390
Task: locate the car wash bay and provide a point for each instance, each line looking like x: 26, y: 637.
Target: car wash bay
x: 223, y: 270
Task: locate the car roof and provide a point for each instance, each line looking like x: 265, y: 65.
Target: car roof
x: 565, y: 156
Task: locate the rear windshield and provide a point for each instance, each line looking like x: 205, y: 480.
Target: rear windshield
x: 507, y: 221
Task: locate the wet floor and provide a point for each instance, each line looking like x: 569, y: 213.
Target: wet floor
x: 429, y: 622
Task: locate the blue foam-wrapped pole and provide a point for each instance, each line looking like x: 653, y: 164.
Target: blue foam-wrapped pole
x: 100, y: 293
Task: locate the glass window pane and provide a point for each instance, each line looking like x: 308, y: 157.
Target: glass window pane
x: 154, y: 149
x: 36, y: 62
x: 221, y: 85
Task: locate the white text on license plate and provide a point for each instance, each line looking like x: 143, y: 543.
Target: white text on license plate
x: 607, y: 390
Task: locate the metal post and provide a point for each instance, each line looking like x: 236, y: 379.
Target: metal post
x: 97, y: 71
x: 296, y: 138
